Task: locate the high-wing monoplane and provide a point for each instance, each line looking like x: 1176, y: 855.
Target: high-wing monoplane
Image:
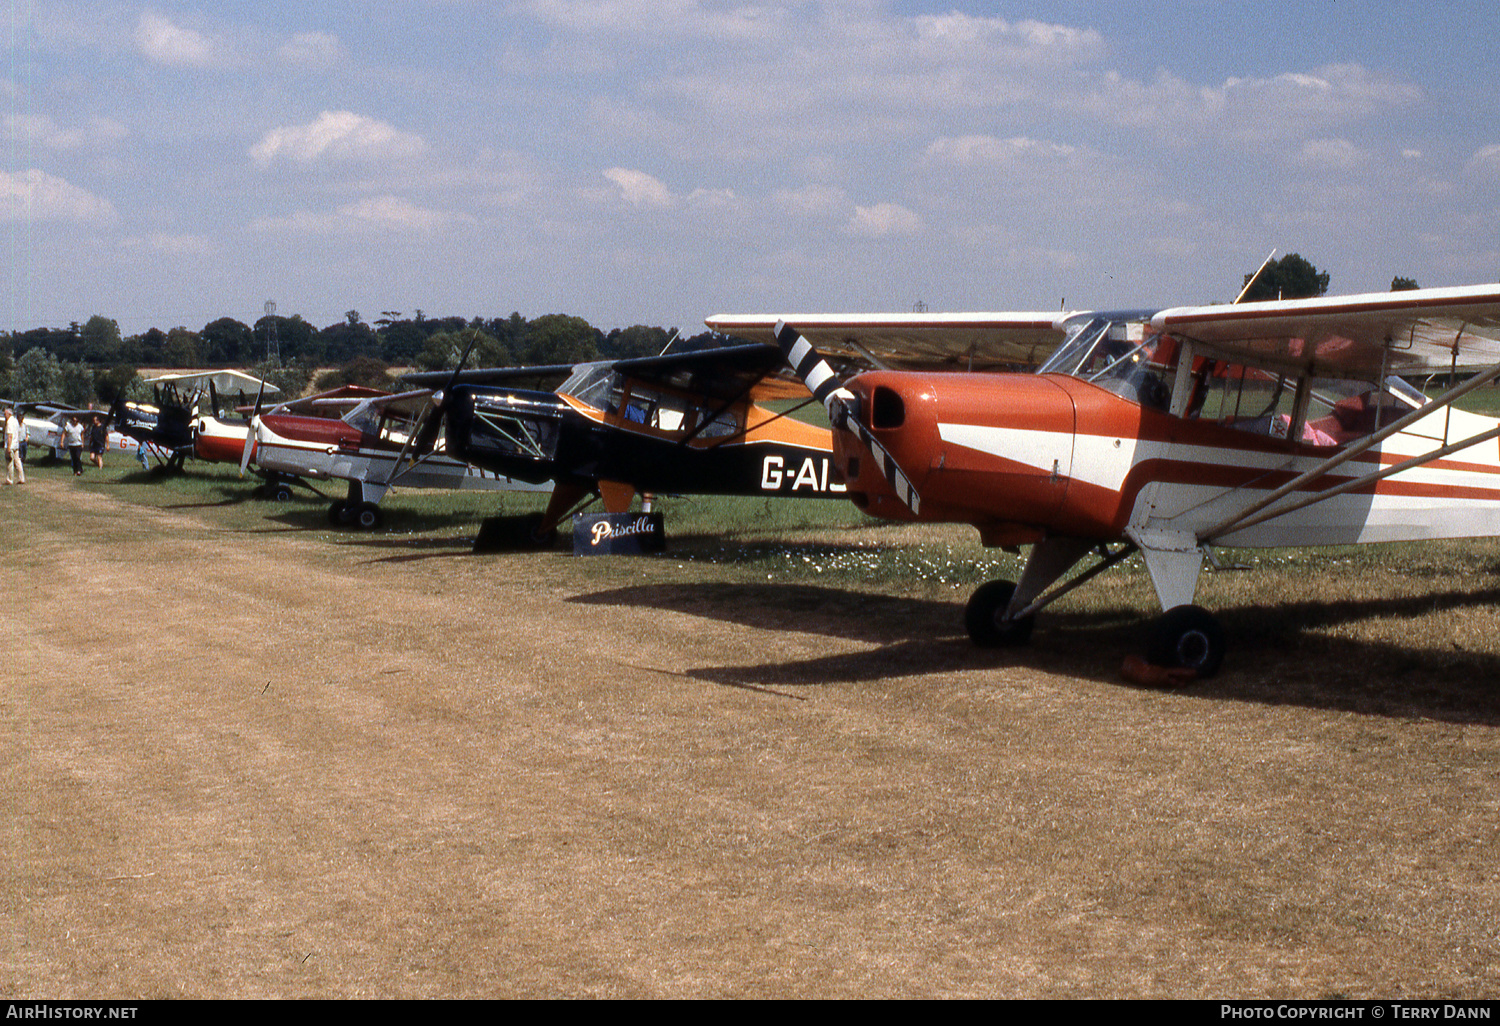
x: 1164, y: 432
x: 44, y: 422
x: 370, y: 446
x: 683, y: 423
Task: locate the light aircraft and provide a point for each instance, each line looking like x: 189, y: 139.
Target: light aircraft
x: 681, y: 423
x: 368, y: 447
x: 1166, y: 432
x: 44, y: 421
x: 169, y: 423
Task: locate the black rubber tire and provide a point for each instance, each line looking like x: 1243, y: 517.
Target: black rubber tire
x: 366, y: 516
x: 982, y: 617
x: 1188, y: 637
x: 338, y: 513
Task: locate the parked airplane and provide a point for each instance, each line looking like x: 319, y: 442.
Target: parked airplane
x: 368, y: 447
x: 1167, y: 432
x: 683, y: 423
x: 44, y: 422
x: 169, y: 422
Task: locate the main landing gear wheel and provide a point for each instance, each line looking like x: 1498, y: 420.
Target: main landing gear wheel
x: 338, y: 513
x: 983, y: 617
x: 1188, y: 637
x: 365, y: 516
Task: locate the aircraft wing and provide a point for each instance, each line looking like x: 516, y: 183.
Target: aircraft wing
x: 225, y: 381
x: 1364, y: 337
x: 408, y: 402
x: 926, y: 341
x: 724, y: 373
x: 348, y: 395
x: 487, y: 375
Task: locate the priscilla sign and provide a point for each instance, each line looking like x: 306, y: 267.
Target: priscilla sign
x: 619, y: 534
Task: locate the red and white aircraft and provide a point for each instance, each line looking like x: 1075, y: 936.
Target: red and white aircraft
x: 1166, y: 432
x: 372, y: 446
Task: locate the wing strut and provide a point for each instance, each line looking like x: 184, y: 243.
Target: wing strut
x: 1252, y: 514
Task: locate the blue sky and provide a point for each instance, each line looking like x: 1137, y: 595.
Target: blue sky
x: 657, y: 161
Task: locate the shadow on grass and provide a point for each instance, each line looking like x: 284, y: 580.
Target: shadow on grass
x: 1278, y: 654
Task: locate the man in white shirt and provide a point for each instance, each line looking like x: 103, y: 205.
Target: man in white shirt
x: 13, y: 434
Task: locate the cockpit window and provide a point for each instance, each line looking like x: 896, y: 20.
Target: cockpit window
x: 1120, y: 356
x: 594, y: 384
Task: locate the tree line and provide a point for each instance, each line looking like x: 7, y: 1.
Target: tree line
x: 91, y: 362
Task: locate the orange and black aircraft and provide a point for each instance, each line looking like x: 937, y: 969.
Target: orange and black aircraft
x: 683, y: 424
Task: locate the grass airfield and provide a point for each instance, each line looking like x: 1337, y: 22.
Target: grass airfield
x: 250, y: 755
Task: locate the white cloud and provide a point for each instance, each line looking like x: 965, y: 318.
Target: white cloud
x: 638, y: 188
x: 34, y: 196
x: 1330, y: 154
x: 1486, y: 161
x: 170, y: 245
x: 988, y: 151
x: 337, y: 135
x: 372, y: 213
x: 882, y: 220
x: 167, y: 43
x: 40, y: 130
x: 312, y: 50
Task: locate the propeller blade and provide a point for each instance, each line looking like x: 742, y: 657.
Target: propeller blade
x: 843, y: 408
x: 426, y: 437
x: 253, y: 429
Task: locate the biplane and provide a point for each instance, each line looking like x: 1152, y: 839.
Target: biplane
x: 368, y: 446
x: 169, y: 422
x: 1163, y: 432
x: 681, y: 423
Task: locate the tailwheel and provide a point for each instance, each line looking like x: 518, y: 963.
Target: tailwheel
x: 366, y: 516
x: 1187, y: 637
x: 984, y: 617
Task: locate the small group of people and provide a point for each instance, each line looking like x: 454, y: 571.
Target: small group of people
x: 74, y: 434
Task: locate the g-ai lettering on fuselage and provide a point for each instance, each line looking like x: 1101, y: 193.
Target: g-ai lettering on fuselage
x: 813, y: 475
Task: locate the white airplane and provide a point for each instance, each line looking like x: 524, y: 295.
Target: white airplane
x: 44, y: 422
x: 371, y: 446
x: 1166, y: 432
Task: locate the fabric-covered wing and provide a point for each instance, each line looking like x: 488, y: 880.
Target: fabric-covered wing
x: 723, y: 374
x: 225, y: 381
x: 1414, y: 332
x: 916, y: 341
x: 490, y: 375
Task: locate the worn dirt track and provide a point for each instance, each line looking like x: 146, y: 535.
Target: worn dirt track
x: 271, y: 763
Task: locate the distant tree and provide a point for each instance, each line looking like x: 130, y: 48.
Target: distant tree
x: 36, y: 375
x: 291, y: 378
x: 114, y: 383
x: 1400, y: 284
x: 1291, y: 277
x: 101, y: 339
x: 443, y: 350
x: 227, y: 341
x: 362, y: 370
x: 558, y: 338
x: 348, y: 339
x: 75, y: 384
x: 636, y: 340
x: 401, y: 341
x: 182, y: 348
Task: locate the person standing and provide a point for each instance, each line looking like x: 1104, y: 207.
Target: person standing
x: 73, y: 440
x: 14, y: 432
x: 98, y: 439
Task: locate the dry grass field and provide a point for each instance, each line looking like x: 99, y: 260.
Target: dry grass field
x: 245, y: 756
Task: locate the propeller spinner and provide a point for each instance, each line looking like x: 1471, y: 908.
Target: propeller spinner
x: 843, y: 407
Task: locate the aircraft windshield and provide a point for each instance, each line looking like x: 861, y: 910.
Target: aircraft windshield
x: 1117, y: 355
